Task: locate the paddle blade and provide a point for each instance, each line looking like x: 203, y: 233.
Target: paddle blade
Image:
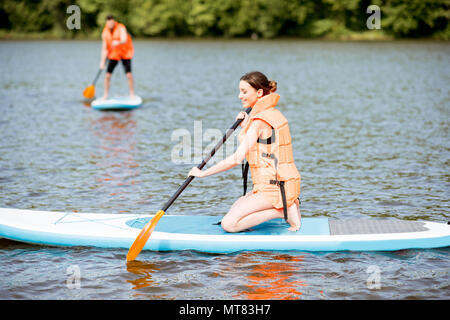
x: 143, y: 236
x: 89, y: 92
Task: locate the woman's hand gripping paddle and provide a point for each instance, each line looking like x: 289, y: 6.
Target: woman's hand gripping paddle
x: 89, y: 92
x: 143, y: 236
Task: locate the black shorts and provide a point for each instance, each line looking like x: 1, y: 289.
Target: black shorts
x: 113, y: 63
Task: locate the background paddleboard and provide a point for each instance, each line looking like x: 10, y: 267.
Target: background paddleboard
x: 117, y: 103
x: 202, y: 233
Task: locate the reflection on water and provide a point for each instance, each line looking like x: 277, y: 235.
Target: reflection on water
x: 117, y: 169
x: 245, y: 275
x: 273, y: 279
x: 144, y: 270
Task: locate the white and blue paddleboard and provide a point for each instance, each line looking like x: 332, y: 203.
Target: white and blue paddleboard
x: 201, y: 233
x: 117, y: 103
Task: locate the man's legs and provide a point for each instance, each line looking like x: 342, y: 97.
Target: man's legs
x: 127, y: 67
x: 130, y: 84
x: 106, y: 85
x: 111, y: 65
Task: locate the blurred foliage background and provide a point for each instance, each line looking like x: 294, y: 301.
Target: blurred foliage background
x: 328, y: 19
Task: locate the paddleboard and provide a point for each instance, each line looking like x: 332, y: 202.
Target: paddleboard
x: 201, y: 233
x: 117, y: 103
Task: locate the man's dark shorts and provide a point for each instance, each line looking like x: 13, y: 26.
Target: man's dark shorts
x: 113, y: 63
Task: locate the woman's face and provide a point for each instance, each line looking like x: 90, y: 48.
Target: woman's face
x: 248, y: 95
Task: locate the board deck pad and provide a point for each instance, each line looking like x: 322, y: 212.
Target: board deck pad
x: 208, y: 225
x: 363, y: 226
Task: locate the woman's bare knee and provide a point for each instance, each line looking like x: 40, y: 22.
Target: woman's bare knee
x: 228, y: 226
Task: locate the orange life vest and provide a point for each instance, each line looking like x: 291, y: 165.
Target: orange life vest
x: 121, y: 51
x: 271, y: 160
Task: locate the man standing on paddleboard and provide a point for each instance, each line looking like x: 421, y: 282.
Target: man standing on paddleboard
x: 116, y: 46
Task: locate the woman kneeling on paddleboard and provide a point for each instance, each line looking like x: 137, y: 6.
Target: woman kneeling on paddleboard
x: 265, y: 142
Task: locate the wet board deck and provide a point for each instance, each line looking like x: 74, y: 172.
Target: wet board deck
x: 201, y: 233
x: 117, y: 103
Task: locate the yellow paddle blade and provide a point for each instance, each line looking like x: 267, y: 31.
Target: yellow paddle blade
x: 142, y: 238
x: 89, y: 92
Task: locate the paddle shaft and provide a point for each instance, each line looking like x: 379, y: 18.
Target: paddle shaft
x: 201, y: 165
x: 98, y: 73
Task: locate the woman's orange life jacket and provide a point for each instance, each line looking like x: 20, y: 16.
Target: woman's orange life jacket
x: 121, y: 51
x: 271, y: 160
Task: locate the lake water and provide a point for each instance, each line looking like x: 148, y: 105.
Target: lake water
x: 370, y: 128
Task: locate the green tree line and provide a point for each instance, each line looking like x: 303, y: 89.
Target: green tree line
x: 334, y: 19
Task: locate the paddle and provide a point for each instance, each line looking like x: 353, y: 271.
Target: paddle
x: 89, y: 92
x: 143, y: 236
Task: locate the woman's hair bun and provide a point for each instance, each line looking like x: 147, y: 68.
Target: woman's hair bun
x: 259, y: 81
x: 273, y: 86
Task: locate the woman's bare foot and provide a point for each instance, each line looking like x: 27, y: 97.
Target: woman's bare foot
x: 294, y: 217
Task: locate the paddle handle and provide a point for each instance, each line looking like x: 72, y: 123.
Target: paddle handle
x: 201, y: 165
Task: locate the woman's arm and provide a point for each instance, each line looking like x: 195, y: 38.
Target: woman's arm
x: 236, y: 158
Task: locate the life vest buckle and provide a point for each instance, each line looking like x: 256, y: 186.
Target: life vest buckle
x: 275, y: 182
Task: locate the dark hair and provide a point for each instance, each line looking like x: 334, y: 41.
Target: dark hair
x: 259, y: 81
x: 109, y: 17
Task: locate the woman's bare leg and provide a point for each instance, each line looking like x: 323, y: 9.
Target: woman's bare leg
x: 294, y: 216
x: 243, y: 207
x: 252, y: 209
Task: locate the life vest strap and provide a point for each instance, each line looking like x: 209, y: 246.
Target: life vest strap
x: 271, y: 156
x: 245, y: 168
x: 269, y: 140
x: 283, y: 196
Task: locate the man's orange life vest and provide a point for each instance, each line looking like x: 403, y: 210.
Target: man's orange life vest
x: 271, y: 160
x: 121, y: 51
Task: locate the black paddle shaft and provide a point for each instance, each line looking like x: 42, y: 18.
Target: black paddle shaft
x: 98, y: 72
x: 96, y: 77
x: 201, y: 165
